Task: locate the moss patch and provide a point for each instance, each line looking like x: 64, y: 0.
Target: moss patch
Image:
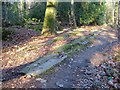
x: 58, y: 38
x: 49, y: 71
x: 49, y: 42
x: 66, y: 36
x: 74, y: 46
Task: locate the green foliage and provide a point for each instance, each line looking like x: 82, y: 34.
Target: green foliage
x: 86, y: 13
x: 63, y: 11
x: 38, y: 11
x: 6, y: 34
x: 10, y: 13
x: 66, y: 36
x: 67, y: 47
x: 90, y: 13
x: 71, y: 48
x: 33, y: 23
x: 100, y: 20
x: 6, y: 23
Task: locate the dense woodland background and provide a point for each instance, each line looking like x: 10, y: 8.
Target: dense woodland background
x: 31, y: 14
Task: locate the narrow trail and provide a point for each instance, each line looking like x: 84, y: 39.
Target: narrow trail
x: 80, y: 71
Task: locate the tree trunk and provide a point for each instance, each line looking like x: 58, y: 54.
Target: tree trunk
x: 119, y: 14
x: 50, y: 22
x: 20, y: 6
x: 116, y: 13
x: 119, y: 22
x: 110, y: 12
x: 72, y: 20
x: 113, y: 12
x: 6, y: 10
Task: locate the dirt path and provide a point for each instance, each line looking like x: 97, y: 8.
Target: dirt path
x: 80, y: 71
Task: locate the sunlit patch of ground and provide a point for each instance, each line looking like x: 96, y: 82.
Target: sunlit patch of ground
x: 109, y: 61
x: 97, y: 59
x: 38, y: 46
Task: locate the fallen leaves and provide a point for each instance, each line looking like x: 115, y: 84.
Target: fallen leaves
x: 109, y: 69
x: 28, y: 46
x: 97, y: 59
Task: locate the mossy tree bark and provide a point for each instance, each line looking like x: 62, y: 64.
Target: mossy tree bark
x: 50, y: 22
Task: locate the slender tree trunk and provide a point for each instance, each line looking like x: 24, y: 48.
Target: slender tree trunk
x: 116, y: 13
x: 24, y: 6
x: 110, y: 12
x: 119, y: 13
x: 21, y: 9
x: 113, y: 12
x: 119, y: 22
x: 73, y: 21
x: 6, y: 11
x: 50, y: 22
x: 0, y: 16
x: 27, y: 6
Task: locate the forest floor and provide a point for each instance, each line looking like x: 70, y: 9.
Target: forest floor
x: 97, y: 66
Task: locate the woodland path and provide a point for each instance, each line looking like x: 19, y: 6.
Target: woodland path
x: 80, y: 71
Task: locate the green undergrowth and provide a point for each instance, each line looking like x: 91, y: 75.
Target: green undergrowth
x: 66, y: 36
x: 71, y: 49
x: 49, y: 71
x: 34, y: 24
x: 75, y: 50
x: 74, y: 46
x: 6, y: 34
